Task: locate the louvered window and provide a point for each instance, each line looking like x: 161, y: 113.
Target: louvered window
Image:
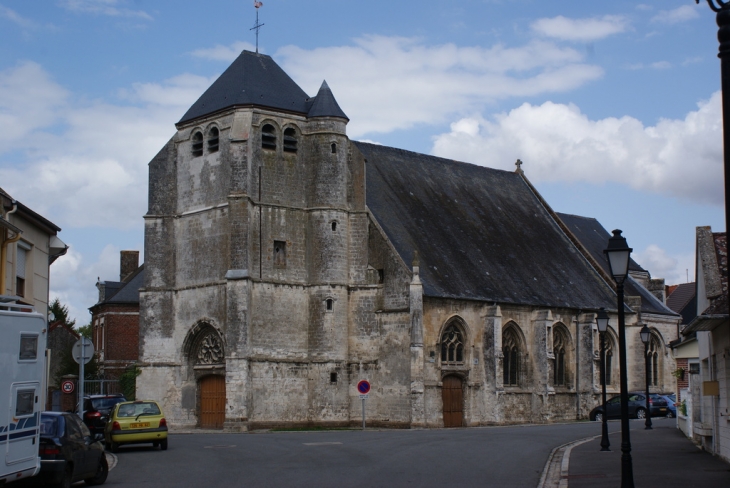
x: 268, y: 137
x: 213, y: 140
x: 197, y: 148
x: 290, y: 140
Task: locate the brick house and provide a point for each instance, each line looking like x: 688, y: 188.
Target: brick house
x: 115, y: 318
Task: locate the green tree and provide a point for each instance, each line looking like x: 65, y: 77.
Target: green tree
x: 60, y: 311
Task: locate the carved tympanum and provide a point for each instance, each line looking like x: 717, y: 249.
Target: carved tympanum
x: 210, y: 350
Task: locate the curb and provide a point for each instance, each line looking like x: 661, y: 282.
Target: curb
x: 555, y: 472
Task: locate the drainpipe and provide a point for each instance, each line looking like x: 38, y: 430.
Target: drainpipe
x: 4, y: 247
x: 577, y: 366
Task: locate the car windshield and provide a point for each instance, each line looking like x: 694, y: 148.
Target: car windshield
x: 49, y: 425
x: 138, y: 408
x: 105, y: 403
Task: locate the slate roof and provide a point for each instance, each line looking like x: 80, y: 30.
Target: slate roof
x: 126, y: 292
x: 594, y: 237
x: 481, y: 233
x: 683, y: 300
x: 251, y: 80
x: 325, y: 105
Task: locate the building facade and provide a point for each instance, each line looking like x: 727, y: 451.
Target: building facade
x: 285, y: 262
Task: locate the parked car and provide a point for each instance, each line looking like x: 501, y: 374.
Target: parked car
x: 671, y: 400
x: 136, y: 422
x: 68, y: 452
x: 96, y: 410
x: 637, y: 407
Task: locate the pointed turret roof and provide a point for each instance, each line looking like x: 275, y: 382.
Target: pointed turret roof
x: 251, y: 80
x: 325, y: 104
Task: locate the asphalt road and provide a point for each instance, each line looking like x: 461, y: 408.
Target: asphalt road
x: 489, y: 456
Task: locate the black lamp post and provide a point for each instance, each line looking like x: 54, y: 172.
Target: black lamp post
x: 602, y: 322
x: 722, y: 9
x: 618, y: 253
x: 645, y: 334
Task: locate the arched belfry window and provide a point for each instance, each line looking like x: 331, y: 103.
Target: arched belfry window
x: 511, y: 361
x: 197, y: 148
x: 213, y: 140
x: 268, y: 137
x: 452, y: 345
x: 653, y: 353
x: 290, y: 140
x: 560, y: 346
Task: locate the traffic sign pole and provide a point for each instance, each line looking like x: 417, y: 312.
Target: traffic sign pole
x: 82, y: 363
x: 363, y: 387
x: 363, y: 414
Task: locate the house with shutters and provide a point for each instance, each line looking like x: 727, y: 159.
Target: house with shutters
x: 285, y: 262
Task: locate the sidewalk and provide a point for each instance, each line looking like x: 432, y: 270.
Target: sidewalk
x: 662, y: 457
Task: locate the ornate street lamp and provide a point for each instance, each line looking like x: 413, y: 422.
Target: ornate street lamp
x: 602, y: 322
x: 645, y: 334
x: 618, y: 253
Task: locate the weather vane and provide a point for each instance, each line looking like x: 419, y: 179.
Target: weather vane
x: 722, y: 5
x: 257, y: 26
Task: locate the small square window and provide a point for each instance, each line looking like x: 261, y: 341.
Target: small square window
x: 24, y: 403
x: 28, y: 347
x: 280, y: 254
x: 333, y: 377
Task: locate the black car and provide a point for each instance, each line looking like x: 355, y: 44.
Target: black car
x: 637, y: 407
x: 68, y: 452
x: 96, y: 411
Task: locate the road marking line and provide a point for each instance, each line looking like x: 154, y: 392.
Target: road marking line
x: 322, y: 443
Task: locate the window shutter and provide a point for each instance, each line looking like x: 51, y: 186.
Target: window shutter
x: 20, y: 263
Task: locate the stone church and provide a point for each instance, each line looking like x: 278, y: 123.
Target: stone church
x: 285, y: 263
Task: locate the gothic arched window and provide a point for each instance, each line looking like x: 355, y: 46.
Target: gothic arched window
x: 608, y: 344
x: 511, y: 362
x: 560, y: 344
x: 452, y: 345
x: 653, y: 354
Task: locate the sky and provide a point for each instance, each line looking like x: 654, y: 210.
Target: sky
x: 613, y: 107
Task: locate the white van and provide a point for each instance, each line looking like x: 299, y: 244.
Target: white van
x: 23, y: 338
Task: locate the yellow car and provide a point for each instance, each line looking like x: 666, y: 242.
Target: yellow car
x: 136, y: 422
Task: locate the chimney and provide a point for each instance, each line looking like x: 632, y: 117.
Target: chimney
x: 128, y: 264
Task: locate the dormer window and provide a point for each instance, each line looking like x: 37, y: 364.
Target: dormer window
x: 213, y: 140
x: 290, y: 140
x: 197, y: 144
x: 268, y: 137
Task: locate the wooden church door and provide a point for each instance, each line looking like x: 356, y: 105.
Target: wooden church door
x: 212, y: 402
x: 453, y: 399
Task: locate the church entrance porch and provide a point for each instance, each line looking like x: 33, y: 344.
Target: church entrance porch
x: 453, y: 400
x: 212, y: 401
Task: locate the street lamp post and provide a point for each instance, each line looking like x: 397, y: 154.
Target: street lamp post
x: 722, y: 9
x: 602, y: 322
x: 618, y: 253
x: 645, y: 334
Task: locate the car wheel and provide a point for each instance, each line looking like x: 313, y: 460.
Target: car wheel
x: 155, y: 444
x: 163, y: 445
x: 102, y: 471
x: 598, y: 417
x: 67, y: 478
x: 670, y: 414
x: 640, y: 413
x: 113, y: 446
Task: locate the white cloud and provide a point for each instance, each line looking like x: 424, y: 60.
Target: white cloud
x: 677, y: 15
x: 224, y: 53
x: 104, y: 7
x: 674, y: 269
x: 73, y: 279
x: 15, y: 17
x: 91, y: 168
x: 661, y: 65
x: 389, y: 83
x: 584, y: 30
x: 676, y: 158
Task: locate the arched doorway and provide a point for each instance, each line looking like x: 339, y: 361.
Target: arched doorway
x: 212, y: 401
x: 452, y: 393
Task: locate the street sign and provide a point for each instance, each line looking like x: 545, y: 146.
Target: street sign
x: 67, y: 386
x: 363, y: 387
x: 88, y: 350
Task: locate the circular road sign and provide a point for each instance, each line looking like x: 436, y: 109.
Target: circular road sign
x: 363, y: 387
x: 67, y: 386
x: 88, y: 350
